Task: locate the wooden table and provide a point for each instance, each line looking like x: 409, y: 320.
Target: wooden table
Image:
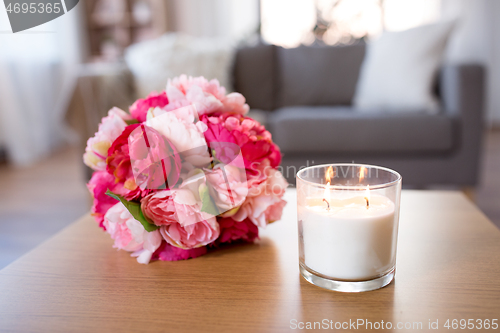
x: 448, y: 267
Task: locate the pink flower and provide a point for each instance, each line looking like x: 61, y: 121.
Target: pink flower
x: 274, y: 185
x: 181, y: 127
x: 140, y: 108
x: 232, y: 231
x: 258, y: 177
x: 227, y: 185
x: 264, y: 204
x: 118, y: 165
x: 193, y: 227
x: 261, y: 210
x: 159, y: 207
x: 235, y: 103
x: 118, y: 161
x: 206, y: 96
x: 255, y: 141
x: 192, y: 148
x: 273, y: 213
x: 115, y: 221
x: 154, y: 160
x: 167, y: 252
x: 130, y: 235
x: 110, y: 128
x: 100, y: 182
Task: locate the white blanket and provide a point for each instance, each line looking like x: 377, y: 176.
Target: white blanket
x: 153, y: 62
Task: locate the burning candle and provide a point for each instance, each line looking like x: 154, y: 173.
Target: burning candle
x: 348, y: 226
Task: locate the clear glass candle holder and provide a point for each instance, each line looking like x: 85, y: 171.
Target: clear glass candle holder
x: 348, y: 216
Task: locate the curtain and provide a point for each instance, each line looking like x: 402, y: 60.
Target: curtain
x: 37, y: 67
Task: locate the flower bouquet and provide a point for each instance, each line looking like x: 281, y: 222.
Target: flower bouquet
x: 184, y: 172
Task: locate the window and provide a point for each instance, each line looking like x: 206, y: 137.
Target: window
x: 290, y: 23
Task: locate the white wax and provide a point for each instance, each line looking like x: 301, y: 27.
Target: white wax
x: 349, y: 241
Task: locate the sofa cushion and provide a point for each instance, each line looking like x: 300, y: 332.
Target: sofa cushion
x: 343, y: 129
x: 319, y: 75
x: 254, y: 75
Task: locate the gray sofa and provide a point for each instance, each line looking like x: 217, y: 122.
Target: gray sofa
x: 304, y: 96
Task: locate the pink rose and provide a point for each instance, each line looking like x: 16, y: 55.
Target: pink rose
x: 259, y: 176
x: 159, y: 207
x: 193, y: 227
x: 261, y: 210
x: 227, y: 185
x: 232, y: 231
x: 100, y: 182
x: 274, y: 185
x: 118, y: 161
x: 167, y: 252
x: 255, y: 141
x: 206, y: 96
x: 273, y: 212
x: 115, y: 221
x: 139, y: 109
x: 154, y: 160
x: 110, y: 128
x: 130, y: 235
x: 263, y: 204
x: 236, y: 103
x: 118, y: 164
x: 182, y: 128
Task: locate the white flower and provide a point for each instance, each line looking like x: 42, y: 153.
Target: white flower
x: 179, y: 127
x: 110, y: 128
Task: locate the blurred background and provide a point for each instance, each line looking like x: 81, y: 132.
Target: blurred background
x: 58, y: 79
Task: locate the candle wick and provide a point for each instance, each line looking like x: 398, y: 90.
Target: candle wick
x: 367, y: 203
x: 328, y: 205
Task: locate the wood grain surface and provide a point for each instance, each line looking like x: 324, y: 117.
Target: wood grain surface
x: 448, y: 267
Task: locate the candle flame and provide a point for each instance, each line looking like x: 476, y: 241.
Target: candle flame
x: 362, y: 173
x: 329, y: 174
x: 367, y: 196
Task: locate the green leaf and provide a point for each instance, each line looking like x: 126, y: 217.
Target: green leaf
x: 215, y: 159
x: 131, y: 121
x: 135, y: 210
x: 208, y: 205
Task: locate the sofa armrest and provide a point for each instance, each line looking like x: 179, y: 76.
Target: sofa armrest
x: 463, y: 96
x: 462, y: 90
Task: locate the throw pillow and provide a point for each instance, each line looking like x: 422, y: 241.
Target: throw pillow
x: 400, y: 67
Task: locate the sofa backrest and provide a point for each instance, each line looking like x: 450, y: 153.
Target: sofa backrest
x: 254, y: 75
x: 271, y: 77
x: 318, y: 75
